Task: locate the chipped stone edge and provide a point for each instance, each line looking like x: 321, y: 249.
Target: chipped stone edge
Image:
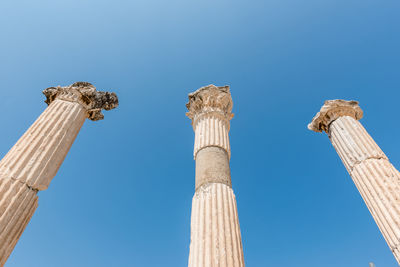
x: 85, y: 94
x: 332, y: 110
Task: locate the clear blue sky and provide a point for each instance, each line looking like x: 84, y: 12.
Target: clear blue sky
x: 123, y: 195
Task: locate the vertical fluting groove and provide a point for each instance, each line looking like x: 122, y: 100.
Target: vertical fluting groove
x: 22, y: 161
x: 208, y: 130
x: 216, y: 127
x: 32, y: 207
x: 211, y: 131
x: 193, y: 226
x: 374, y: 176
x: 386, y: 205
x: 46, y: 144
x: 31, y: 162
x: 343, y: 141
x: 224, y: 223
x: 30, y: 166
x: 19, y: 219
x: 224, y: 137
x: 219, y: 128
x: 367, y: 196
x: 215, y: 228
x: 341, y: 150
x: 207, y: 225
x: 234, y: 227
x: 59, y: 142
x: 202, y: 133
x: 222, y: 241
x: 367, y: 149
x: 238, y: 234
x: 30, y: 148
x: 63, y: 146
x: 384, y: 187
x: 26, y: 138
x: 46, y: 147
x: 228, y: 231
x: 356, y: 144
x: 214, y: 231
x: 202, y: 233
x: 17, y: 203
x: 378, y: 210
x: 10, y: 158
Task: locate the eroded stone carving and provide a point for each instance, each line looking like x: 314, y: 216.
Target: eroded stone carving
x: 210, y: 99
x: 210, y: 109
x: 87, y: 95
x: 333, y: 109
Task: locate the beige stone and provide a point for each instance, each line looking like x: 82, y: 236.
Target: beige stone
x: 212, y: 166
x: 18, y: 202
x: 34, y: 160
x: 375, y: 177
x: 215, y: 230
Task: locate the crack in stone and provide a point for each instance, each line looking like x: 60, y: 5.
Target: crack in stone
x: 366, y: 159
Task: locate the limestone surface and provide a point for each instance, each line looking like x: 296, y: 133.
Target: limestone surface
x: 34, y: 160
x: 210, y: 109
x: 215, y: 230
x: 375, y: 177
x: 212, y: 166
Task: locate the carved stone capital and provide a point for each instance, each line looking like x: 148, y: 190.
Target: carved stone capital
x: 210, y: 99
x: 332, y: 110
x: 85, y: 94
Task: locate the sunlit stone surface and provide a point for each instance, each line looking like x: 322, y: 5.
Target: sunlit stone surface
x: 35, y: 159
x: 375, y: 177
x: 215, y: 230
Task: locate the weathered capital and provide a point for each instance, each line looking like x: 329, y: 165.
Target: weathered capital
x: 85, y: 94
x: 332, y: 110
x: 210, y: 99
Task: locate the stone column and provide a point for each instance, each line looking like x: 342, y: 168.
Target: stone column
x: 375, y: 177
x: 35, y: 159
x: 215, y: 230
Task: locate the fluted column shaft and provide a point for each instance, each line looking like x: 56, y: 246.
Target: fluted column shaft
x: 31, y: 164
x: 18, y: 202
x: 374, y: 176
x: 38, y: 154
x: 211, y: 129
x: 215, y: 230
x: 34, y: 160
